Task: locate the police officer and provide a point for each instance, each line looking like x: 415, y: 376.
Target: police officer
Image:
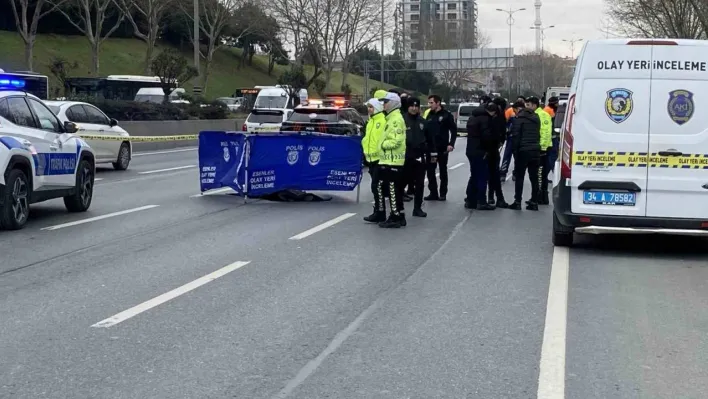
x: 494, y: 157
x: 392, y: 159
x: 420, y: 151
x: 371, y: 144
x: 526, y: 146
x: 545, y: 144
x: 480, y: 130
x: 443, y: 127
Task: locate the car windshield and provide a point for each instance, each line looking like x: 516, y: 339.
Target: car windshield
x: 150, y: 98
x: 313, y: 115
x: 466, y: 110
x: 560, y: 115
x: 265, y: 117
x: 271, y: 102
x: 54, y: 109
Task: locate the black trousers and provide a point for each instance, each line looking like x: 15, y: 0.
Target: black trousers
x: 477, y: 183
x: 543, y: 175
x: 374, y: 172
x: 433, y: 181
x: 526, y: 162
x: 414, y: 177
x: 391, y: 183
x: 494, y: 180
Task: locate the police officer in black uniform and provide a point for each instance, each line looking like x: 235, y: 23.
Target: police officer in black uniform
x: 420, y: 152
x: 443, y: 127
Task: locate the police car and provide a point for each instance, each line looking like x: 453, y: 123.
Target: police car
x: 332, y: 116
x: 39, y: 156
x: 634, y: 145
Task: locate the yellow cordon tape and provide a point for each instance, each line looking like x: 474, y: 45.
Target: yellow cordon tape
x: 639, y: 160
x: 141, y: 139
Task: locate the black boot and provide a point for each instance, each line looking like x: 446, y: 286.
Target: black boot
x: 469, y: 205
x: 393, y: 222
x: 485, y: 207
x: 543, y: 199
x: 532, y: 206
x: 417, y: 212
x: 502, y: 204
x: 376, y: 217
x: 515, y: 206
x: 402, y: 219
x: 432, y: 197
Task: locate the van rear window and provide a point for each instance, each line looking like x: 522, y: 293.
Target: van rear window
x: 265, y: 117
x: 466, y: 110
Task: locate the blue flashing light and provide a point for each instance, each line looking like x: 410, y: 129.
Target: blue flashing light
x: 11, y: 83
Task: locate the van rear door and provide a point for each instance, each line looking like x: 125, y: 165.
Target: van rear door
x: 610, y: 130
x: 678, y: 134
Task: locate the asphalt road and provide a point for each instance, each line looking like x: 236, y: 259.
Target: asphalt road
x: 158, y: 292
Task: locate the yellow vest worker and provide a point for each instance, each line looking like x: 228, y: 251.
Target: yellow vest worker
x: 371, y: 143
x: 546, y: 129
x: 393, y: 141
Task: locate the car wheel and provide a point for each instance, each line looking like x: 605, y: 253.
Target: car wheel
x: 80, y: 200
x: 123, y: 157
x: 562, y: 235
x: 16, y: 200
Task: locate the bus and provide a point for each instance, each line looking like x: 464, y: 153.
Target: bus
x: 30, y: 82
x: 113, y: 87
x: 249, y: 95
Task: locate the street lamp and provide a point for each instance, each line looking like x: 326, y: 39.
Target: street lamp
x: 510, y: 21
x: 543, y: 70
x: 572, y: 46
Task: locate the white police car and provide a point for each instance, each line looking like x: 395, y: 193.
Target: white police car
x: 40, y: 158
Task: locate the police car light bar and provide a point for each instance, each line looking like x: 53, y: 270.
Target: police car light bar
x: 11, y: 82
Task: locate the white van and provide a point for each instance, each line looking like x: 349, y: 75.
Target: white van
x: 464, y: 111
x: 633, y: 150
x: 277, y: 97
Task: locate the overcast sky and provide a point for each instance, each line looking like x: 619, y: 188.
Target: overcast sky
x: 573, y: 19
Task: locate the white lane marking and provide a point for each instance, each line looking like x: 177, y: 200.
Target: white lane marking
x: 98, y: 179
x: 142, y: 154
x: 213, y: 192
x: 551, y: 378
x: 322, y: 226
x: 159, y: 300
x: 453, y: 167
x: 147, y: 172
x: 96, y: 218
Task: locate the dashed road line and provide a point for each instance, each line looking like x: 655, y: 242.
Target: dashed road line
x: 147, y: 172
x: 97, y: 218
x: 322, y: 226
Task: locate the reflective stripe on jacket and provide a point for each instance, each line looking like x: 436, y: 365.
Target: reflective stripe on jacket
x: 371, y: 143
x: 393, y: 142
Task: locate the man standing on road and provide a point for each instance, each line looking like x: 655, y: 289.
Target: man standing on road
x: 443, y: 127
x: 420, y: 152
x: 510, y: 115
x: 493, y: 147
x: 526, y: 145
x: 545, y: 145
x: 392, y: 158
x: 479, y: 130
x: 371, y: 144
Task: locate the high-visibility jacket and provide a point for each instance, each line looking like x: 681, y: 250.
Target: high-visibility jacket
x: 546, y: 128
x: 393, y: 142
x: 371, y: 143
x: 425, y: 114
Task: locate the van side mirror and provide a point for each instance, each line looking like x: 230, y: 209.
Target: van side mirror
x: 71, y: 127
x: 113, y: 122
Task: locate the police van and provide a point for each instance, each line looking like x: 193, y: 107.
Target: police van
x: 634, y: 145
x: 40, y: 158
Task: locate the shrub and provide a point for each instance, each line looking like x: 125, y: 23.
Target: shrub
x: 143, y: 111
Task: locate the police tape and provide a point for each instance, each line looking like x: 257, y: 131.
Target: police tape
x: 639, y: 160
x: 140, y: 139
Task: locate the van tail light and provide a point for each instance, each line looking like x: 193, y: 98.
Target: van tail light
x: 244, y: 128
x: 652, y: 43
x: 567, y: 140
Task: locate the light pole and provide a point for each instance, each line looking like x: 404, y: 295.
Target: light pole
x: 196, y: 22
x: 572, y: 46
x: 543, y: 71
x: 510, y: 21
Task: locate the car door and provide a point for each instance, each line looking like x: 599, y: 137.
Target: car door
x: 678, y: 132
x: 109, y: 148
x: 609, y: 124
x: 62, y: 158
x: 76, y: 113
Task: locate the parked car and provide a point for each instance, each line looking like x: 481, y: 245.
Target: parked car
x: 92, y: 121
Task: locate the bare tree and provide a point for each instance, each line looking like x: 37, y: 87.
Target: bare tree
x: 152, y: 12
x: 89, y: 17
x: 27, y: 19
x: 325, y: 20
x: 363, y: 28
x: 289, y: 12
x: 658, y: 18
x: 483, y: 40
x: 532, y: 70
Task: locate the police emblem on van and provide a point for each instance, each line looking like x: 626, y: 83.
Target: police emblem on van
x: 619, y: 105
x: 680, y: 106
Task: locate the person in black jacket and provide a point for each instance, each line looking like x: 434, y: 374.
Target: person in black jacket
x: 480, y: 136
x: 443, y: 127
x: 420, y: 152
x: 494, y: 156
x: 526, y: 142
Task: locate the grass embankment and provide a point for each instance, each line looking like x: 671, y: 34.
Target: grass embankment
x: 125, y: 57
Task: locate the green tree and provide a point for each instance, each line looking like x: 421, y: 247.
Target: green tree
x: 172, y: 68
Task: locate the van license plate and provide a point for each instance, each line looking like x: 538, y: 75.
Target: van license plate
x: 609, y: 198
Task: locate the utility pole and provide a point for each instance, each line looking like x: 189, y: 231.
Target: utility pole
x: 572, y: 46
x: 510, y: 21
x: 383, y: 27
x: 196, y: 35
x: 542, y: 30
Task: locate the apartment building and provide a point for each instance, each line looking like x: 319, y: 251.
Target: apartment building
x: 435, y: 25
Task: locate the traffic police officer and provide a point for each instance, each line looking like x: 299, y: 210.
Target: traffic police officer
x: 392, y: 158
x: 371, y: 144
x: 546, y: 144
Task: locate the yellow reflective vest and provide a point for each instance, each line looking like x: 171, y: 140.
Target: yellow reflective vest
x: 546, y: 128
x: 425, y: 114
x: 371, y: 143
x: 393, y: 142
